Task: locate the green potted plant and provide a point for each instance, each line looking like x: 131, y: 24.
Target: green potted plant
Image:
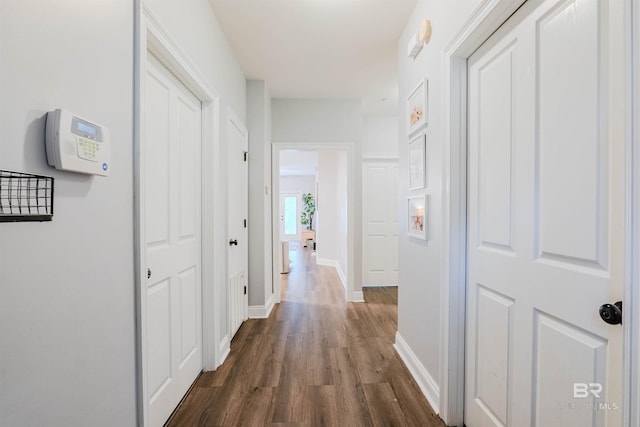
x: 306, y: 216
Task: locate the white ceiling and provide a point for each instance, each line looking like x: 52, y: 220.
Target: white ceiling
x: 294, y: 162
x: 319, y: 48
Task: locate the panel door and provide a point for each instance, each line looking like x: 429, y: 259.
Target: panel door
x: 290, y: 209
x: 545, y: 219
x: 380, y: 225
x: 172, y: 153
x: 238, y: 193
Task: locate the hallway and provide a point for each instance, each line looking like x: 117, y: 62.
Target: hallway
x: 316, y: 361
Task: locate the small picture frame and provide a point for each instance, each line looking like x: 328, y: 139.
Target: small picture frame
x: 418, y: 216
x: 417, y: 162
x: 417, y: 107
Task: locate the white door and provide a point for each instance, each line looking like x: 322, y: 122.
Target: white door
x: 171, y: 188
x: 545, y: 209
x: 237, y: 223
x: 290, y: 226
x: 380, y: 225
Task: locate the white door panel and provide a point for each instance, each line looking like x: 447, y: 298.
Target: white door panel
x: 380, y: 225
x: 238, y: 193
x: 545, y: 231
x: 172, y: 131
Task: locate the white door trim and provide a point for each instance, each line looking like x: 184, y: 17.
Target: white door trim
x: 151, y: 37
x: 632, y: 285
x: 276, y: 147
x: 486, y: 19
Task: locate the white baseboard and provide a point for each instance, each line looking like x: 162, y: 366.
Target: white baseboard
x: 357, y: 296
x: 225, y: 349
x: 327, y: 262
x: 425, y: 381
x: 262, y: 311
x: 378, y: 285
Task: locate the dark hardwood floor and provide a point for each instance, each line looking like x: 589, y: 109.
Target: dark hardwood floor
x: 316, y: 361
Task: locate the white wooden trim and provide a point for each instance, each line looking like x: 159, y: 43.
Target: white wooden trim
x: 225, y: 349
x: 327, y: 262
x: 357, y: 296
x: 349, y: 148
x: 487, y: 18
x: 262, y: 311
x: 427, y: 384
x: 152, y: 37
x: 380, y: 158
x: 632, y: 282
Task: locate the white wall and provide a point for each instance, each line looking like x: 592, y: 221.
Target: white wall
x: 343, y: 227
x: 317, y: 120
x: 419, y: 310
x: 331, y: 223
x: 67, y: 310
x: 259, y: 126
x: 380, y: 136
x: 298, y: 184
x: 327, y: 213
x: 196, y: 31
x: 67, y: 321
x: 327, y: 121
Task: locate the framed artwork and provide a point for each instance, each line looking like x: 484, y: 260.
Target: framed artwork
x: 417, y: 161
x: 417, y: 107
x: 418, y: 216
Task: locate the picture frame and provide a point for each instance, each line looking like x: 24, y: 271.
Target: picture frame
x: 418, y: 216
x: 417, y: 111
x: 417, y: 162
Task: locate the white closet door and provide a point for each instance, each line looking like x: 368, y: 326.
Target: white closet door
x: 238, y: 255
x: 380, y: 225
x: 173, y: 318
x: 545, y: 209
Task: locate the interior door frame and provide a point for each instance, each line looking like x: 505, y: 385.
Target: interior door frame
x: 150, y: 36
x: 276, y: 148
x: 483, y: 22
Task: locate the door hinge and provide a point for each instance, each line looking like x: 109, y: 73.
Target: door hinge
x: 245, y: 223
x: 246, y: 153
x: 245, y: 290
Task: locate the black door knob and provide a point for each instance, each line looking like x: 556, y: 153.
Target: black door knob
x: 612, y: 314
x: 233, y: 242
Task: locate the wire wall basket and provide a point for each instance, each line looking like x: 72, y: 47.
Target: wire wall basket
x: 25, y: 197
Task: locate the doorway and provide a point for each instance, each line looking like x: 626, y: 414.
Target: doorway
x: 331, y: 219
